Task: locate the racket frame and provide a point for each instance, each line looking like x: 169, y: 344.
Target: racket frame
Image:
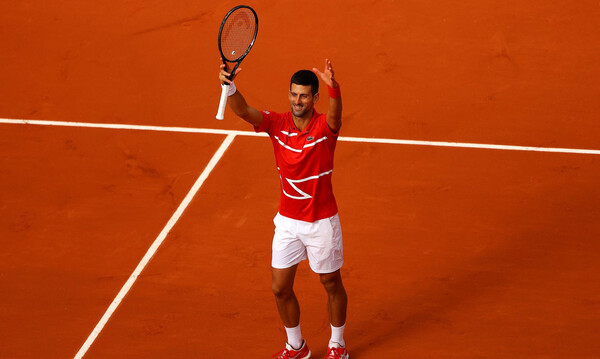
x: 225, y: 86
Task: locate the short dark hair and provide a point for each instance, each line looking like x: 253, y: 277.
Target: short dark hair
x: 306, y: 78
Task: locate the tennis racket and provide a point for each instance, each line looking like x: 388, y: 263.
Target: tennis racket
x: 236, y: 36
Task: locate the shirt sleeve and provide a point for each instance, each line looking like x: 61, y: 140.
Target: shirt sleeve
x: 270, y: 120
x: 323, y: 121
x: 266, y: 123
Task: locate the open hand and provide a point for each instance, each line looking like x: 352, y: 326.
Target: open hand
x: 327, y: 74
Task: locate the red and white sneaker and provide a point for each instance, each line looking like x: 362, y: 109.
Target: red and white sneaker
x: 337, y: 351
x: 290, y: 353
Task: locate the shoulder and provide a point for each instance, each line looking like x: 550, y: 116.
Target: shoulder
x: 271, y: 120
x: 321, y: 120
x: 275, y: 116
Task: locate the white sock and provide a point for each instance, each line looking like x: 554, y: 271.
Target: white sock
x: 294, y: 336
x: 337, y: 335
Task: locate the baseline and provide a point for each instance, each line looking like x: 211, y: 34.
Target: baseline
x: 341, y: 138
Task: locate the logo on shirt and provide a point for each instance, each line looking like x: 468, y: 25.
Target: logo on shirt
x: 310, y: 138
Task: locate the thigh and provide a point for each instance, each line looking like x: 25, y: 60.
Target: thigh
x: 324, y: 246
x: 287, y: 250
x: 282, y: 279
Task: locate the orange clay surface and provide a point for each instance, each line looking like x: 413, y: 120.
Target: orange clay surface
x: 450, y: 252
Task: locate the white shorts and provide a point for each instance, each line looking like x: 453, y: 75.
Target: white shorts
x: 321, y: 241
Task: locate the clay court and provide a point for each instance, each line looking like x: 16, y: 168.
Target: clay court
x: 135, y: 225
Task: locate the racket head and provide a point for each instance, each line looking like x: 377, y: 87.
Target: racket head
x: 237, y: 33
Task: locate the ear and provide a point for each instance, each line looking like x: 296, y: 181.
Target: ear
x: 316, y: 97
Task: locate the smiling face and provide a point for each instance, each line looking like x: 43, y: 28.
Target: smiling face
x: 302, y: 100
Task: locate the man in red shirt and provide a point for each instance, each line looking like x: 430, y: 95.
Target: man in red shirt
x: 307, y: 224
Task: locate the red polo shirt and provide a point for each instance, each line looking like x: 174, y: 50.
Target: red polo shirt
x: 305, y: 164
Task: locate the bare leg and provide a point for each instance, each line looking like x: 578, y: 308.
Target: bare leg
x: 337, y: 299
x: 287, y: 303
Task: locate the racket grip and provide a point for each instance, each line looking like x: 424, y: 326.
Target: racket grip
x: 223, y: 102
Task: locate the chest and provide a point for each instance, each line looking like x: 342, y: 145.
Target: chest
x: 307, y: 147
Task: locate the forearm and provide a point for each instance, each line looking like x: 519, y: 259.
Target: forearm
x: 240, y: 107
x: 236, y: 101
x: 335, y: 107
x: 334, y: 115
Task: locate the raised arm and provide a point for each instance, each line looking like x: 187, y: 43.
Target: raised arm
x: 237, y: 103
x: 334, y: 115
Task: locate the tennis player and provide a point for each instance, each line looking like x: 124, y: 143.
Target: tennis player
x: 307, y: 224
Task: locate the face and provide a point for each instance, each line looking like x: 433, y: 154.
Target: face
x: 302, y: 100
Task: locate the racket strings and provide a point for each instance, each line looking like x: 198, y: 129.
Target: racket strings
x: 238, y: 33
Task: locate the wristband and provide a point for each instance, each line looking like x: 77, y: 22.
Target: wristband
x: 334, y: 92
x: 232, y: 89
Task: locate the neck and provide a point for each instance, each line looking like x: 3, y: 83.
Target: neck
x: 302, y: 122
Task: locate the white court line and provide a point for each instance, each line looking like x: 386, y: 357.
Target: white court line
x: 154, y: 247
x: 472, y: 145
x: 341, y: 138
x: 116, y: 126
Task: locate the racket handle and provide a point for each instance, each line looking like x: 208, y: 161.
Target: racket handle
x: 223, y: 102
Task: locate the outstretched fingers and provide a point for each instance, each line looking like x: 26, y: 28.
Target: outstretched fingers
x: 327, y: 75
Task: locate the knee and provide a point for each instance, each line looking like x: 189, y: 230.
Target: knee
x: 332, y: 282
x: 281, y: 291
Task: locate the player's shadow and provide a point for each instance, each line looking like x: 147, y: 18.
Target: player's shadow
x: 405, y: 315
x: 550, y: 237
